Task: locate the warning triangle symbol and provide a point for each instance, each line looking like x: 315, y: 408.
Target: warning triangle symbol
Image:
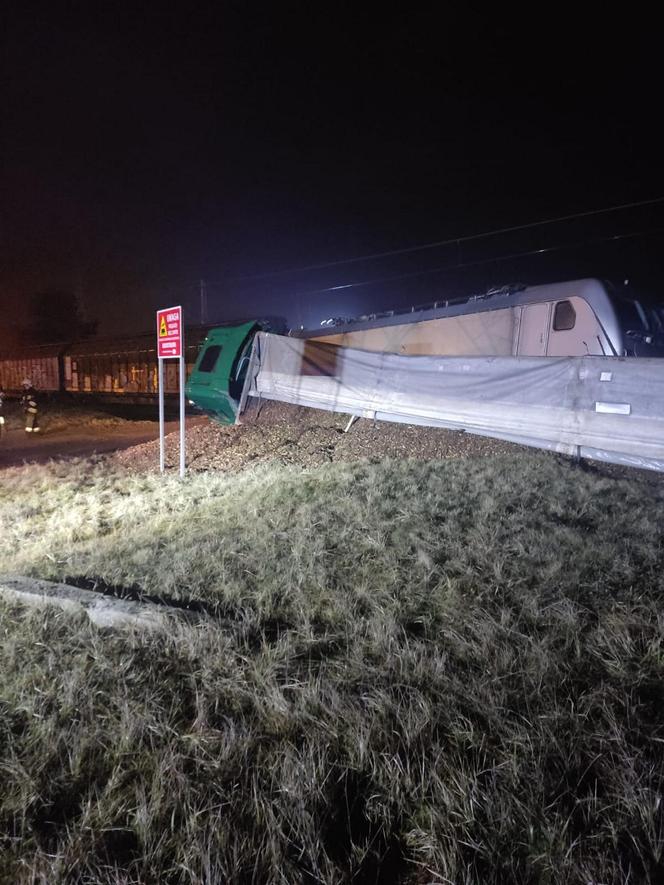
x: 163, y: 331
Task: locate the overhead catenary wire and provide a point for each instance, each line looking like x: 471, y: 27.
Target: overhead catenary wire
x: 450, y: 241
x: 479, y: 262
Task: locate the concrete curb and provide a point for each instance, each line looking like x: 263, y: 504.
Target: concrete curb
x: 104, y: 611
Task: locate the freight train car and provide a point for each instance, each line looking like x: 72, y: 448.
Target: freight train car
x: 41, y: 364
x: 124, y: 368
x: 97, y: 368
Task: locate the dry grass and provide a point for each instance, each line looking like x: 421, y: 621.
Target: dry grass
x: 413, y: 672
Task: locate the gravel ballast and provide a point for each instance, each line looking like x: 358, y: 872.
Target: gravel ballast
x: 278, y: 432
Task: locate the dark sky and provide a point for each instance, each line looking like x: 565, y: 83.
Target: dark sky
x: 142, y: 151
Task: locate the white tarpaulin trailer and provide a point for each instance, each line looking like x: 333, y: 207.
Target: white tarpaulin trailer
x: 605, y: 408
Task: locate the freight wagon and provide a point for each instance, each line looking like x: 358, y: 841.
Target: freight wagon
x: 125, y: 368
x: 41, y: 364
x: 103, y: 369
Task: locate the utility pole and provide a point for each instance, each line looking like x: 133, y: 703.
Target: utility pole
x: 203, y: 302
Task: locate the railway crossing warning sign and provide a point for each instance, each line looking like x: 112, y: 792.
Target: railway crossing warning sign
x: 169, y: 333
x: 170, y: 346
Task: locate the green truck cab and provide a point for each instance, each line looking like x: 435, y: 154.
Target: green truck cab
x: 216, y: 381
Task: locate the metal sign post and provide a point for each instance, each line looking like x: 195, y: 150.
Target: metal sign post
x: 182, y: 419
x: 170, y: 345
x: 161, y: 413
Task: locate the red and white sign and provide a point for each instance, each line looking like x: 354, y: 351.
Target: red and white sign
x: 169, y: 332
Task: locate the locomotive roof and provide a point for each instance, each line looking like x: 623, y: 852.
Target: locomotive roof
x: 592, y: 290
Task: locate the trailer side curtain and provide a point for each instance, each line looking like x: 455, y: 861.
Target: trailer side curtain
x: 599, y: 407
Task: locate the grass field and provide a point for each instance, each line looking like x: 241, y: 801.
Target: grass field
x: 409, y: 672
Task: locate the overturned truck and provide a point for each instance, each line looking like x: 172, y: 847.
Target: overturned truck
x: 550, y: 366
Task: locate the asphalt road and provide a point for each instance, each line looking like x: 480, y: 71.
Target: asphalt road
x: 17, y: 447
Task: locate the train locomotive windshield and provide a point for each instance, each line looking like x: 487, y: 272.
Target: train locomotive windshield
x: 631, y: 315
x: 210, y: 357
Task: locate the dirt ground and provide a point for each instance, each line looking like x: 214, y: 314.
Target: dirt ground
x: 17, y: 448
x: 72, y: 432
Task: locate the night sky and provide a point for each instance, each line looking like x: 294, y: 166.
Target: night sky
x: 143, y: 151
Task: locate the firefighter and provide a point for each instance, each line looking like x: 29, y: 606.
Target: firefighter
x: 29, y: 403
